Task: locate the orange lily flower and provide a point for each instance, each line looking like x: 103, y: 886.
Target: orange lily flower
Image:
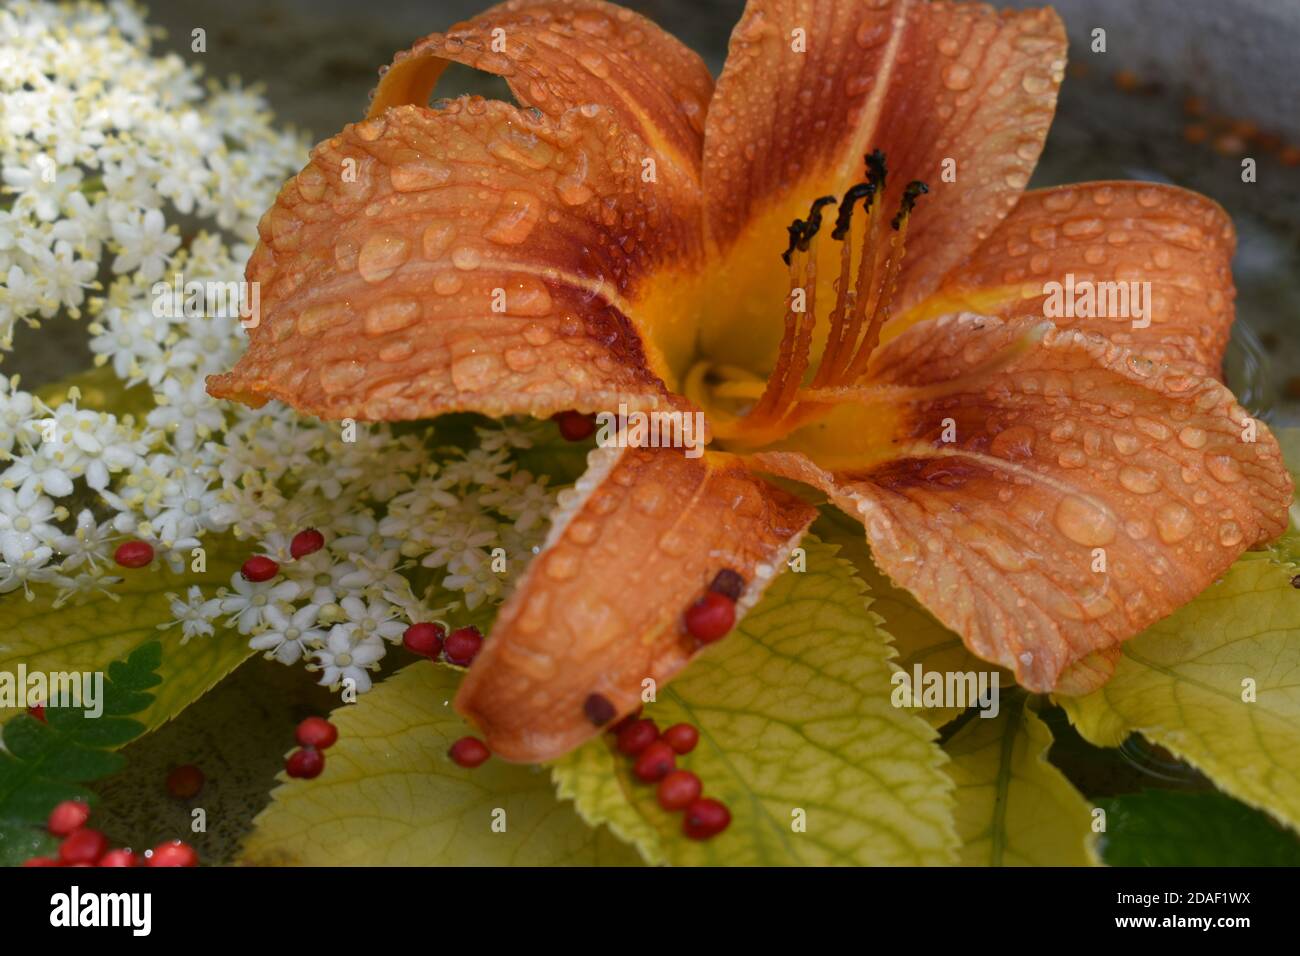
x: 1047, y: 488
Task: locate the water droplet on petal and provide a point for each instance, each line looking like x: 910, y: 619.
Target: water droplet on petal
x: 466, y: 258
x: 1084, y: 522
x: 380, y: 256
x: 1174, y: 522
x: 1139, y: 480
x: 515, y: 218
x: 957, y: 77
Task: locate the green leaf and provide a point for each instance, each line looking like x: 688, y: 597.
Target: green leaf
x: 920, y: 639
x: 42, y: 763
x: 1186, y: 682
x: 1013, y: 807
x: 794, y: 714
x: 1167, y: 828
x: 390, y: 795
x: 90, y: 636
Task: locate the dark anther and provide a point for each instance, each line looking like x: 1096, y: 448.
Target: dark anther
x: 598, y: 709
x: 910, y: 192
x: 845, y: 217
x: 796, y: 231
x: 814, y: 221
x: 728, y: 583
x: 876, y: 169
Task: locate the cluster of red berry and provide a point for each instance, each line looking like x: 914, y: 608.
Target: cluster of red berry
x: 139, y: 554
x: 430, y: 640
x: 83, y: 846
x: 655, y: 761
x: 314, y: 735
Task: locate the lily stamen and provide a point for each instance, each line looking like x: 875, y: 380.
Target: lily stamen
x: 864, y: 302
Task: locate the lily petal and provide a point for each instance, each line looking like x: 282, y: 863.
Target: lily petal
x: 600, y: 609
x: 937, y: 86
x: 1085, y: 492
x: 1109, y: 232
x: 557, y: 55
x: 474, y: 258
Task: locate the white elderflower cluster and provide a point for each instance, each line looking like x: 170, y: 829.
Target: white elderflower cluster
x: 123, y: 171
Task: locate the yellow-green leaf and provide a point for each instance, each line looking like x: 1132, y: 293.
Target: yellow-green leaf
x: 1187, y: 684
x: 390, y: 796
x: 87, y: 636
x: 797, y: 736
x: 1013, y: 807
x: 920, y: 639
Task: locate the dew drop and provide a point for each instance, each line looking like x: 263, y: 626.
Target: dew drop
x: 380, y: 256
x: 1224, y: 468
x: 475, y: 372
x: 1174, y: 522
x: 341, y: 376
x: 1084, y: 522
x: 1139, y: 480
x: 1230, y: 534
x: 1192, y: 437
x: 466, y: 258
x: 447, y: 283
x: 515, y: 218
x: 389, y: 316
x: 436, y: 238
x: 418, y: 175
x: 957, y: 77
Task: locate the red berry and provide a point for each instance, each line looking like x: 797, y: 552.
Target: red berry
x: 305, y: 542
x: 119, y: 858
x: 710, y: 617
x: 681, y: 737
x: 37, y: 711
x: 83, y: 846
x: 462, y: 645
x: 627, y: 721
x: 134, y: 554
x: 655, y: 762
x: 68, y: 816
x: 705, y: 818
x: 41, y: 861
x: 424, y: 639
x: 185, y: 782
x: 469, y: 752
x: 637, y: 736
x: 316, y: 732
x: 305, y: 764
x: 173, y: 853
x: 259, y: 568
x: 575, y: 426
x: 679, y: 789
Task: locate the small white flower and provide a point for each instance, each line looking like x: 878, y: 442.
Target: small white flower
x: 320, y: 577
x: 371, y: 619
x: 342, y: 659
x: 25, y: 561
x: 287, y: 637
x: 145, y: 243
x: 248, y: 606
x: 193, y: 613
x: 186, y: 412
